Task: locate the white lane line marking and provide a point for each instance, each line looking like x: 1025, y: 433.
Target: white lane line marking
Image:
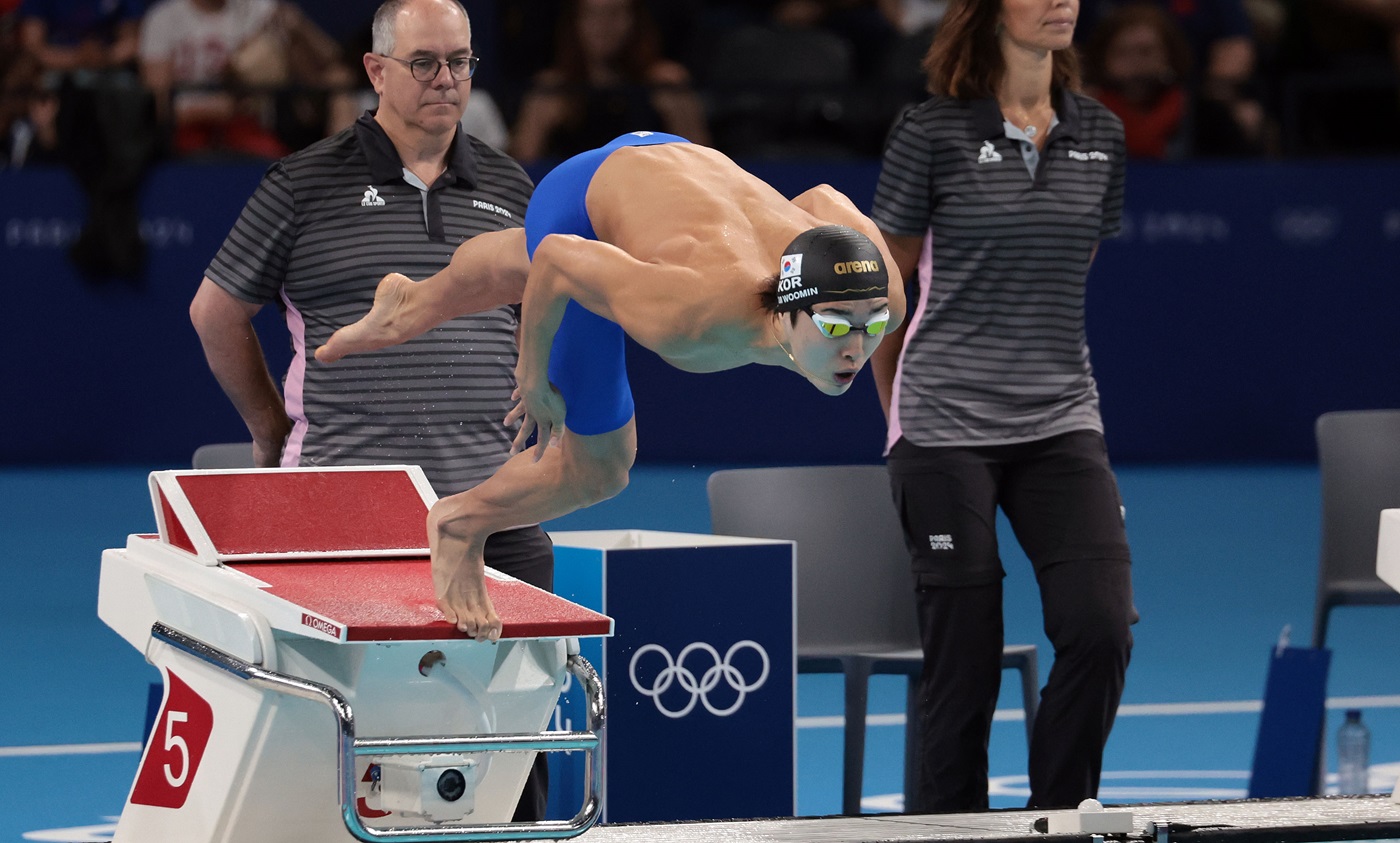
x: 837, y: 721
x: 69, y: 749
x: 1182, y: 709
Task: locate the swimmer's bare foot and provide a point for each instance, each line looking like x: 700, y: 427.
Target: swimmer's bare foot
x: 459, y: 572
x: 462, y: 597
x: 386, y: 323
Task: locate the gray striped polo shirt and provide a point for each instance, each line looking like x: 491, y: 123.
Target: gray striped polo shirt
x: 995, y: 351
x: 324, y: 226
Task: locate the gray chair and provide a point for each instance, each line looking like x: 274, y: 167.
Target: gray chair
x: 855, y: 593
x: 1359, y: 460
x: 223, y: 455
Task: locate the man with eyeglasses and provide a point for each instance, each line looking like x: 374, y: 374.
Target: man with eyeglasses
x: 674, y: 245
x: 401, y: 189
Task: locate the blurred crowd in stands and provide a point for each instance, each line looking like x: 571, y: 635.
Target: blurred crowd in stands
x: 107, y: 87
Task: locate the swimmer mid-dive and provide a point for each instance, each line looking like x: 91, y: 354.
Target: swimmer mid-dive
x: 679, y: 248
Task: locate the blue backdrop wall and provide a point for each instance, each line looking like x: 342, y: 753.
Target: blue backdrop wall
x: 1242, y: 301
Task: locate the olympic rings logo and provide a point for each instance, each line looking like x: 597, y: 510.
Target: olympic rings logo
x: 676, y: 671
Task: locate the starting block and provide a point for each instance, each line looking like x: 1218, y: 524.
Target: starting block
x: 291, y: 613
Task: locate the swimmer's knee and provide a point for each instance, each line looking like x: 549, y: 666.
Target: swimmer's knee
x: 607, y: 479
x: 598, y: 467
x: 597, y: 475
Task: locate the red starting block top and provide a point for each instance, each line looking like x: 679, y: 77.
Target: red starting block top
x: 344, y: 547
x: 393, y: 600
x: 289, y: 513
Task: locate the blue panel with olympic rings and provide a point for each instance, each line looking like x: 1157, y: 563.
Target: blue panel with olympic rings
x: 700, y: 674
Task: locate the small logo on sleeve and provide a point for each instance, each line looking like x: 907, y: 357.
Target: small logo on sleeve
x: 941, y: 541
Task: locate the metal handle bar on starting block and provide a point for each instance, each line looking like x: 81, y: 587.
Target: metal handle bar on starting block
x: 350, y: 747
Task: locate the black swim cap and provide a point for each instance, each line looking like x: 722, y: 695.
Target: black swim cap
x: 830, y: 263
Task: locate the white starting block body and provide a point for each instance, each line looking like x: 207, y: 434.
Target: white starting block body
x: 291, y: 613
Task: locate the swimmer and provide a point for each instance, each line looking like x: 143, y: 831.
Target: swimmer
x: 674, y: 245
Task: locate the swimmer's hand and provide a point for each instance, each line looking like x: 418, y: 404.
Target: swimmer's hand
x: 538, y: 411
x: 386, y: 323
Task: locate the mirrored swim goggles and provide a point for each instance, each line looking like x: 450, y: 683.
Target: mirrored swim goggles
x: 835, y: 327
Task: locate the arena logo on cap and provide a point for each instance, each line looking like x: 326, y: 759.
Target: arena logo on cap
x: 848, y: 267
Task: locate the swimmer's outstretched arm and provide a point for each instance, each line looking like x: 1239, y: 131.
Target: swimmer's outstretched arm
x: 487, y: 271
x: 657, y: 305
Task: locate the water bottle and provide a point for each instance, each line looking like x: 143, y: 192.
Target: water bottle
x: 1353, y: 754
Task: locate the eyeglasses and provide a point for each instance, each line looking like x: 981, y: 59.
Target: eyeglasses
x: 835, y: 327
x: 426, y: 70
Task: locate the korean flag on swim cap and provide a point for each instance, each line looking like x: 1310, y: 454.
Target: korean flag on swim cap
x: 830, y: 263
x: 792, y: 266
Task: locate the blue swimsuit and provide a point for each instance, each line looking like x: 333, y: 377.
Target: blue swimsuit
x: 587, y: 362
